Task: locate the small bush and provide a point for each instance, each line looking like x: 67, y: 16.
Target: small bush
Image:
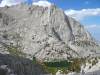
x: 34, y: 60
x: 75, y: 65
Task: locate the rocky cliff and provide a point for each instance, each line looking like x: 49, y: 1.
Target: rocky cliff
x: 12, y: 65
x: 45, y: 33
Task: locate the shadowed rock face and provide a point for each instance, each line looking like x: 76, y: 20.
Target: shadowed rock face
x: 3, y: 72
x: 11, y: 65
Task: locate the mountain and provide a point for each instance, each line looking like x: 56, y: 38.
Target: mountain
x: 46, y: 34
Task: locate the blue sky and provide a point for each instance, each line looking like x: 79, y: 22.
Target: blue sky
x: 76, y: 4
x: 87, y: 12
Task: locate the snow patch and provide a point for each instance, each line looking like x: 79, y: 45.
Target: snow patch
x: 42, y: 3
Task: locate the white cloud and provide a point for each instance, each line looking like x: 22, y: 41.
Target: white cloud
x: 10, y: 2
x: 43, y: 3
x: 92, y: 26
x: 14, y: 2
x: 81, y: 14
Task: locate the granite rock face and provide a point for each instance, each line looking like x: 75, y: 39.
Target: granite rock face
x: 44, y: 32
x: 12, y: 65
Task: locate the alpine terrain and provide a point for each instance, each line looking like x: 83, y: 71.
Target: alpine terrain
x: 42, y: 39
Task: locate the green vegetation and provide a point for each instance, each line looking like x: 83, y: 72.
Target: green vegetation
x: 52, y: 70
x: 73, y: 66
x: 53, y: 67
x: 34, y: 60
x: 57, y: 64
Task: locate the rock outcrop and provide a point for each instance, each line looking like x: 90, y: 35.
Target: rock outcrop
x: 42, y: 32
x: 12, y: 65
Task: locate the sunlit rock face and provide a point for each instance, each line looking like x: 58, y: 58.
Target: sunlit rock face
x: 44, y: 32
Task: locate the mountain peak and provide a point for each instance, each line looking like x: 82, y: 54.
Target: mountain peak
x: 44, y: 31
